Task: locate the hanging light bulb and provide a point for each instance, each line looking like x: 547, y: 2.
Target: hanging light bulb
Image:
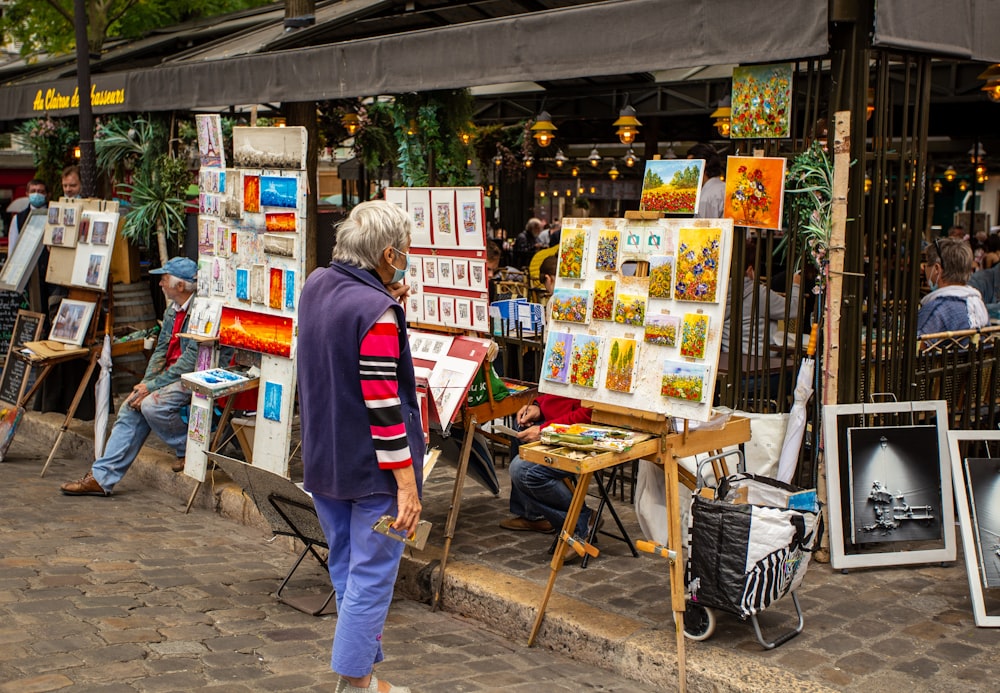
x: 465, y: 136
x: 949, y: 174
x: 351, y: 123
x: 575, y: 171
x: 937, y: 186
x: 963, y: 186
x: 630, y: 158
x: 614, y: 172
x: 868, y: 184
x: 498, y: 157
x: 560, y: 158
x: 529, y: 161
x: 992, y: 86
x: 627, y: 124
x: 411, y: 128
x: 594, y: 158
x: 722, y: 116
x: 543, y: 129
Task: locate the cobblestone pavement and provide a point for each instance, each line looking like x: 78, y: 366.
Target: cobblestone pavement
x: 130, y: 594
x: 131, y: 590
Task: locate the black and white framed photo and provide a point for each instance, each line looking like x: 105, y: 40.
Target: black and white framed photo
x: 975, y: 466
x: 888, y: 471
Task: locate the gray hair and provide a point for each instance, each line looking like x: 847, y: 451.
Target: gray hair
x: 955, y: 257
x: 368, y: 230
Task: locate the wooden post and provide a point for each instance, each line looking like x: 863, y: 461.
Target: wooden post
x: 835, y: 285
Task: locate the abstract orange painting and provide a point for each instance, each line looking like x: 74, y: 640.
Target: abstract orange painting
x: 275, y: 293
x: 755, y: 187
x: 251, y: 194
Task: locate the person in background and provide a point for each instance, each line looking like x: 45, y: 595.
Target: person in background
x: 951, y: 305
x: 362, y: 442
x: 713, y: 188
x: 539, y: 496
x: 526, y: 242
x: 72, y: 184
x: 155, y: 403
x: 987, y: 282
x: 38, y: 198
x: 555, y: 233
x: 542, y: 241
x: 992, y: 255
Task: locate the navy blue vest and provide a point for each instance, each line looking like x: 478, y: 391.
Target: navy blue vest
x: 338, y: 307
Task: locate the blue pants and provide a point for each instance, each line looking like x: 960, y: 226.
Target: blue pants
x: 159, y: 412
x: 537, y: 489
x: 363, y: 566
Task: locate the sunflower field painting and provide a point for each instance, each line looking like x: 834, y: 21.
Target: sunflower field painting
x: 684, y: 381
x: 761, y: 101
x: 583, y: 365
x: 604, y: 300
x: 572, y: 245
x: 755, y: 188
x: 661, y: 275
x: 698, y: 254
x: 622, y: 355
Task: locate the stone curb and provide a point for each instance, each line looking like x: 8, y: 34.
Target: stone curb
x: 501, y: 602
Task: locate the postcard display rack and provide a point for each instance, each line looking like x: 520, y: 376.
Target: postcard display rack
x: 251, y: 268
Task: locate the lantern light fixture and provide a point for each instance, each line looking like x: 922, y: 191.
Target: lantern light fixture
x: 529, y: 161
x: 351, y: 123
x: 498, y: 158
x: 543, y: 129
x: 977, y: 153
x: 949, y: 174
x: 627, y: 124
x: 937, y: 186
x: 594, y: 158
x: 411, y: 128
x: 561, y: 158
x: 630, y: 158
x: 723, y: 119
x: 992, y: 86
x: 614, y: 172
x: 575, y: 171
x: 963, y: 186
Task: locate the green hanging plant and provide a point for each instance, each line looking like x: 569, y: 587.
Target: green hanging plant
x: 51, y: 141
x: 809, y: 205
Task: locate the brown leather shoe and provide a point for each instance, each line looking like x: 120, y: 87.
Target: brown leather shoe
x: 87, y: 486
x: 520, y: 524
x: 178, y: 465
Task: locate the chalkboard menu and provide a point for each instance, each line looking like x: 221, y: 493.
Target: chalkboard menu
x: 10, y: 303
x: 27, y: 328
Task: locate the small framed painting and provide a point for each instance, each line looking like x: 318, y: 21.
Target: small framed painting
x: 621, y: 364
x: 604, y: 300
x: 71, y: 322
x: 684, y: 381
x: 555, y: 363
x: 694, y: 335
x: 570, y: 305
x: 584, y: 364
x: 662, y: 330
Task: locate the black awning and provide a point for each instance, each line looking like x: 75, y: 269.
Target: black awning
x: 607, y: 38
x: 961, y: 28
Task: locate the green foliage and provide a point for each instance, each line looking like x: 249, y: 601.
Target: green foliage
x: 652, y: 180
x: 809, y: 205
x: 125, y: 146
x: 686, y: 178
x: 51, y: 141
x: 48, y: 25
x: 434, y: 153
x: 155, y: 203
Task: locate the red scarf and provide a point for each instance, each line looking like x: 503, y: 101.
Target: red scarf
x: 174, y: 345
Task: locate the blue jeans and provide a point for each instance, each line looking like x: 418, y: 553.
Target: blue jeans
x: 363, y: 566
x: 159, y: 412
x: 539, y: 490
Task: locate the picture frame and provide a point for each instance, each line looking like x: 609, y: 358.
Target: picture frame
x: 71, y: 322
x: 17, y: 270
x: 886, y: 505
x: 978, y: 496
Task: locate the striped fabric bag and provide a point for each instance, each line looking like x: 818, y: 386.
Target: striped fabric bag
x: 748, y: 548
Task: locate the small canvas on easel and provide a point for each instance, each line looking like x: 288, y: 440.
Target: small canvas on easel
x: 672, y: 186
x: 71, y: 322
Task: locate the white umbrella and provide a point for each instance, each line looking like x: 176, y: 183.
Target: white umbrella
x: 18, y: 205
x: 102, y: 395
x: 790, y: 447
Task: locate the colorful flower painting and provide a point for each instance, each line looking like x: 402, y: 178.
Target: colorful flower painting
x: 761, y: 101
x: 604, y: 300
x: 607, y: 250
x: 583, y: 365
x: 251, y: 194
x: 555, y: 364
x: 572, y: 244
x: 630, y: 309
x: 671, y: 185
x: 662, y: 330
x: 684, y: 381
x: 570, y: 305
x: 697, y: 276
x: 755, y: 187
x: 622, y: 357
x: 244, y: 329
x: 661, y: 276
x: 694, y: 335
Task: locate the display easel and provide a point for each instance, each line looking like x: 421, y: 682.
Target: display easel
x: 663, y: 449
x: 472, y: 416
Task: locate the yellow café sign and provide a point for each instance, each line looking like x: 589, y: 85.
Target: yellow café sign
x: 53, y: 100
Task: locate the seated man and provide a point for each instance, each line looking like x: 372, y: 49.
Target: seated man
x: 539, y: 496
x: 155, y: 403
x: 951, y: 305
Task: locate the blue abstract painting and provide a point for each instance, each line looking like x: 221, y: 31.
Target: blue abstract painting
x: 242, y: 284
x: 278, y: 191
x: 290, y: 289
x: 272, y: 401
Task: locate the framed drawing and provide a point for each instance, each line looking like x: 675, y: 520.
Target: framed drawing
x: 16, y: 271
x: 72, y: 321
x: 887, y: 464
x: 975, y: 467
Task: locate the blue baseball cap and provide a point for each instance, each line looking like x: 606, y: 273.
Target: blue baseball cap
x: 180, y: 267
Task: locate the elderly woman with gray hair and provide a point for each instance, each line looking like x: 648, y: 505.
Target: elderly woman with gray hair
x: 951, y: 305
x: 356, y: 375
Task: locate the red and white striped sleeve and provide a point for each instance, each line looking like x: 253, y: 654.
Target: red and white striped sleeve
x: 380, y: 387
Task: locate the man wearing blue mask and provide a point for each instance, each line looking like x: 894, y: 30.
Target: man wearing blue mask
x: 38, y: 198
